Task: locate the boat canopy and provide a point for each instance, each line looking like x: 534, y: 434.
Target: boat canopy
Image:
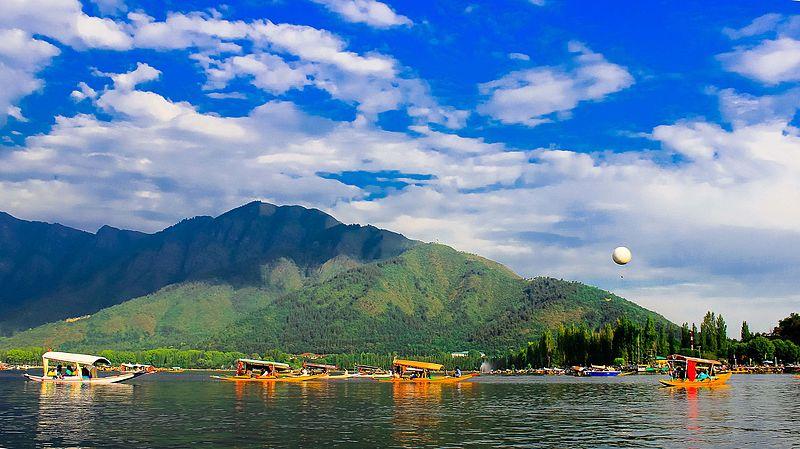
x: 254, y: 362
x: 82, y: 359
x: 319, y: 366
x: 420, y: 365
x: 683, y: 358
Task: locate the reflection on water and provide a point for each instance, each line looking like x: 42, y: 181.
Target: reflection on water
x: 188, y: 410
x: 66, y: 410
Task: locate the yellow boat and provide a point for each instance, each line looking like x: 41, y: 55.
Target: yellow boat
x: 251, y: 370
x: 412, y: 371
x: 684, y: 371
x: 291, y: 378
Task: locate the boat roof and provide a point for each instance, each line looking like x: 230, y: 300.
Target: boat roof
x: 319, y: 365
x: 420, y: 365
x: 684, y: 358
x: 255, y: 362
x: 83, y: 359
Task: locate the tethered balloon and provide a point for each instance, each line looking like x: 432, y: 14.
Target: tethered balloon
x: 621, y: 255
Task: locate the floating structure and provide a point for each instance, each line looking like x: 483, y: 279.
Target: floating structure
x: 600, y: 371
x: 369, y: 372
x: 251, y: 370
x: 684, y: 371
x: 133, y: 367
x: 413, y: 371
x: 84, y: 372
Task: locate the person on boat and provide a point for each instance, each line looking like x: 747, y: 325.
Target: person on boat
x: 702, y: 376
x: 458, y: 372
x: 240, y: 368
x: 85, y: 373
x: 68, y: 371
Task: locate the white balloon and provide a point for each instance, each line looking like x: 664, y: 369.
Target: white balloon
x: 621, y: 255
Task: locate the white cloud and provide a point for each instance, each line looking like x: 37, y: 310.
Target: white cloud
x: 371, y: 12
x: 531, y: 96
x: 761, y: 25
x: 64, y: 21
x: 21, y: 57
x: 519, y: 56
x: 771, y: 62
x: 83, y: 92
x: 141, y: 74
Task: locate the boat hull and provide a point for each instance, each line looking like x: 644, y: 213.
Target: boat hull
x: 603, y: 373
x: 289, y: 379
x: 78, y: 380
x: 440, y: 380
x: 716, y: 381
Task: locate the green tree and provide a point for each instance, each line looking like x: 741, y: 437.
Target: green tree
x: 789, y: 328
x: 686, y: 336
x: 760, y: 348
x: 708, y: 334
x: 547, y: 345
x: 746, y: 335
x: 722, y: 336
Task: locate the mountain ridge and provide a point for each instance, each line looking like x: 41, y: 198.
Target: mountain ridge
x: 51, y: 271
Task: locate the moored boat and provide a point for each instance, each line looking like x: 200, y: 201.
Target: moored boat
x: 600, y: 371
x: 84, y: 372
x: 251, y: 370
x: 412, y: 371
x: 692, y: 372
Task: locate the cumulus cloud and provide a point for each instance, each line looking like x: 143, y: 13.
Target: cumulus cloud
x: 371, y: 12
x: 771, y: 61
x: 65, y: 21
x: 21, y: 58
x: 531, y: 97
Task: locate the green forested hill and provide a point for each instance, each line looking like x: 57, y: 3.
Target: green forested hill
x: 50, y: 272
x: 429, y: 298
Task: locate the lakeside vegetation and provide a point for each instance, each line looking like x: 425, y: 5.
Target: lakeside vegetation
x: 629, y: 342
x: 626, y: 342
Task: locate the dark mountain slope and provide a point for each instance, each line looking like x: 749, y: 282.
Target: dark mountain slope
x: 50, y: 272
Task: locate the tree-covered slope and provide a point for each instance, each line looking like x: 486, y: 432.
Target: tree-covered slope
x: 50, y: 272
x: 429, y: 298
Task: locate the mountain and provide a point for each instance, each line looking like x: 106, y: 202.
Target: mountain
x: 428, y: 298
x: 50, y: 272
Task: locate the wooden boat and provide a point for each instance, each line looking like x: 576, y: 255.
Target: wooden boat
x: 267, y: 379
x: 412, y: 371
x: 85, y: 364
x: 684, y: 372
x: 251, y: 370
x: 369, y: 372
x: 600, y: 371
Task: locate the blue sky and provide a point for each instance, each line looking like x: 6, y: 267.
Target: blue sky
x: 538, y: 133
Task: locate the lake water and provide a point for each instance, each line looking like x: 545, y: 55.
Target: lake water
x: 191, y: 410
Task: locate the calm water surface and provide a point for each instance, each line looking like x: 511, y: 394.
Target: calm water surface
x: 191, y: 410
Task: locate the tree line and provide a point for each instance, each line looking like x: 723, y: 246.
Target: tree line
x: 629, y: 342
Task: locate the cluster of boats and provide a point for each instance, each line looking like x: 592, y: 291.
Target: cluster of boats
x: 250, y: 370
x: 68, y: 368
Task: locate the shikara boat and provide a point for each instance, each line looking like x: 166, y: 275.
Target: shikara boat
x: 684, y: 371
x: 369, y: 372
x: 85, y: 367
x: 601, y: 371
x: 412, y: 371
x: 251, y: 370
